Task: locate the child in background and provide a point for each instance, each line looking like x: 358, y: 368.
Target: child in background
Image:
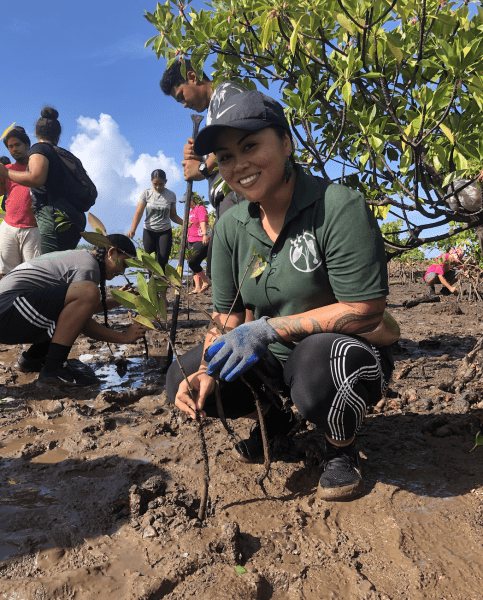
x: 443, y: 271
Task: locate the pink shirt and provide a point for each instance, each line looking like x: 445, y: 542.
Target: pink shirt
x: 18, y: 207
x: 441, y: 266
x: 198, y: 215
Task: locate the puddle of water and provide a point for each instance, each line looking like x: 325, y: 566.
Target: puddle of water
x: 54, y: 456
x: 139, y: 372
x: 14, y: 445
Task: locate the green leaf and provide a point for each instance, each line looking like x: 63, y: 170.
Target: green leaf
x: 162, y: 307
x: 451, y: 177
x: 478, y: 442
x: 258, y: 268
x: 240, y: 570
x: 153, y: 291
x: 144, y: 321
x: 127, y: 299
x: 173, y: 275
x: 142, y: 286
x: 97, y: 239
x: 145, y: 308
x: 447, y: 132
x: 347, y: 92
x: 134, y: 262
x: 152, y: 265
x: 346, y: 23
x: 294, y: 36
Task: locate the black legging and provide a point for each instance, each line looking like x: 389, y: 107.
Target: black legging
x: 159, y: 242
x: 200, y: 252
x: 331, y: 379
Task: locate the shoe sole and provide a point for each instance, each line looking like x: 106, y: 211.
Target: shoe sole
x: 346, y: 492
x: 49, y: 381
x: 27, y: 370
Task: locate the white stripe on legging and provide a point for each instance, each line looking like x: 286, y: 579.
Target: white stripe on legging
x: 29, y: 313
x: 345, y: 395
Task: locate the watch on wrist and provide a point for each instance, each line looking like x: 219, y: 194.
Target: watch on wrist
x: 203, y: 169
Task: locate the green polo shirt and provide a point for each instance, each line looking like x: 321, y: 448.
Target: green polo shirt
x: 330, y: 248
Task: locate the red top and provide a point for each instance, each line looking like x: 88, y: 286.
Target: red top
x: 198, y: 215
x: 18, y: 207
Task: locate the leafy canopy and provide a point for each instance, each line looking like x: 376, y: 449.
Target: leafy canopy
x: 392, y: 90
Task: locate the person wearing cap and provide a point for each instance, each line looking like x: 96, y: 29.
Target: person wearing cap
x: 49, y: 300
x: 160, y: 205
x: 321, y: 331
x: 443, y: 270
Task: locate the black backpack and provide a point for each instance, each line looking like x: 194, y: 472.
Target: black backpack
x: 76, y: 186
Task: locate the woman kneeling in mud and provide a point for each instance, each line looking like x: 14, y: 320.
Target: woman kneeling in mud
x: 50, y: 300
x: 320, y: 329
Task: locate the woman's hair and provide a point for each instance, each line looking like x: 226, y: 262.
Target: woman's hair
x: 5, y: 160
x: 158, y: 174
x: 123, y: 245
x: 19, y: 133
x: 48, y: 126
x: 281, y: 133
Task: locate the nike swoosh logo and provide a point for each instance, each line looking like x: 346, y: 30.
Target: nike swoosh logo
x: 224, y: 111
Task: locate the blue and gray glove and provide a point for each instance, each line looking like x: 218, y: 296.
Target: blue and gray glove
x: 238, y: 350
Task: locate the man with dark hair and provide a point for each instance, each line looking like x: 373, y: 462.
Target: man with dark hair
x: 199, y: 95
x: 19, y: 234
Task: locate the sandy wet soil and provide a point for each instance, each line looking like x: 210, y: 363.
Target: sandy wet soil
x: 99, y: 488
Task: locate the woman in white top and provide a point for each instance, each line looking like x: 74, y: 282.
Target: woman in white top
x: 160, y: 205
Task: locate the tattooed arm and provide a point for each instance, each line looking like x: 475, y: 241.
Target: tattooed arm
x: 351, y: 318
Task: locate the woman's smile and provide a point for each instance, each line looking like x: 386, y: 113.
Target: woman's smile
x: 249, y: 179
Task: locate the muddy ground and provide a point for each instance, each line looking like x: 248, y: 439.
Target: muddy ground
x: 99, y: 488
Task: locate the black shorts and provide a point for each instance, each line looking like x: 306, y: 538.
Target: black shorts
x: 33, y: 317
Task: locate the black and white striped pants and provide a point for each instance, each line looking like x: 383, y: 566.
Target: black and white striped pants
x: 331, y: 379
x: 33, y: 316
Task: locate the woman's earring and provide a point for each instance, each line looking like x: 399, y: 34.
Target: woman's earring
x: 288, y: 169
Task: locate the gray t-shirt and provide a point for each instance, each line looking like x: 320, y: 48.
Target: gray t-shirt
x: 158, y: 208
x: 48, y: 270
x: 222, y: 92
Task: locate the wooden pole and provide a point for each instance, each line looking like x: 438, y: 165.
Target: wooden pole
x: 184, y: 236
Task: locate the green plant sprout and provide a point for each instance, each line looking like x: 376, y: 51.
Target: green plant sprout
x: 478, y: 440
x: 62, y: 221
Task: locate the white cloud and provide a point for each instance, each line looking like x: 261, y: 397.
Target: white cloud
x: 109, y: 159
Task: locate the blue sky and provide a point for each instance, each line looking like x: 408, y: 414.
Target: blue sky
x: 88, y: 61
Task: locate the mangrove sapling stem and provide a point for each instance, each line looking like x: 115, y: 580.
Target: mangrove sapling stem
x: 263, y: 429
x: 221, y: 412
x: 238, y: 293
x: 199, y: 427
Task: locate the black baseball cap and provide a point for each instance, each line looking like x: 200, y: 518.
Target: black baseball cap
x: 249, y: 111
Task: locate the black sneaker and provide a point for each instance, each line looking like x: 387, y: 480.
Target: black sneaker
x: 444, y: 292
x: 432, y: 291
x: 277, y: 422
x: 341, y: 478
x: 65, y: 376
x: 29, y: 365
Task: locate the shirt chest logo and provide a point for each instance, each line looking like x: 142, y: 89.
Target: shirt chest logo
x: 303, y: 253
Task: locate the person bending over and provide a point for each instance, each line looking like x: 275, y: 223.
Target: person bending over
x: 443, y: 270
x: 49, y: 300
x: 321, y: 331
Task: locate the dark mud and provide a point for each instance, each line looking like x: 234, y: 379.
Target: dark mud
x: 99, y: 488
